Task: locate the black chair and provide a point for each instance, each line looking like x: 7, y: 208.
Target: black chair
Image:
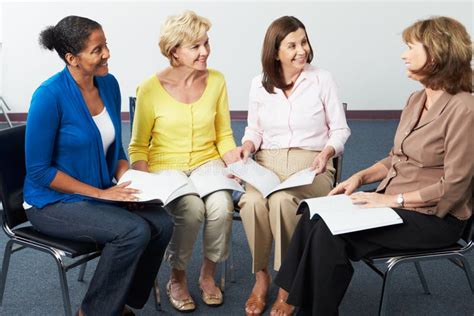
x: 12, y: 175
x: 392, y: 259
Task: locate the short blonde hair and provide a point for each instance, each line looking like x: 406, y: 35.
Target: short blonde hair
x: 449, y: 49
x: 186, y: 28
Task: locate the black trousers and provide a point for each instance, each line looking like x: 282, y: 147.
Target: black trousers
x: 317, y: 269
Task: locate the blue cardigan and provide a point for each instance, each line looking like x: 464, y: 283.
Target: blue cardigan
x: 61, y: 135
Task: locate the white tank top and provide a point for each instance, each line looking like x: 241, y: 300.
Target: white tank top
x: 106, y: 128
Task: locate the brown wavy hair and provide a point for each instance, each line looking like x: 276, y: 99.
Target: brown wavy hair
x: 276, y: 32
x: 449, y: 53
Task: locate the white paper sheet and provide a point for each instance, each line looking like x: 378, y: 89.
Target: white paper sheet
x: 341, y: 216
x: 266, y: 181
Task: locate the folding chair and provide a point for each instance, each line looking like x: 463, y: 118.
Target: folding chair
x: 12, y: 175
x: 393, y: 259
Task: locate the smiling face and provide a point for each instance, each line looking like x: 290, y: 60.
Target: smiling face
x: 415, y: 57
x: 294, y: 51
x: 92, y: 60
x: 194, y: 55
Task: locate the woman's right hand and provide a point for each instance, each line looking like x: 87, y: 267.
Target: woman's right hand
x: 347, y: 187
x: 119, y: 192
x: 245, y: 150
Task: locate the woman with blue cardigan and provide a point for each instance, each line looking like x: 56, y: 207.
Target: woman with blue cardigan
x: 73, y: 152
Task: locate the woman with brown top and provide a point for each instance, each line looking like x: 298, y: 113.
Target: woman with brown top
x: 427, y: 177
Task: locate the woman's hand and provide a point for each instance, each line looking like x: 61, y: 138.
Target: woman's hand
x: 231, y: 156
x: 348, y: 186
x: 321, y: 160
x: 119, y: 192
x: 245, y: 150
x: 372, y: 199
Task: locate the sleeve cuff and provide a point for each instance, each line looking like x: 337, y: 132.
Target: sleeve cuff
x: 137, y: 157
x: 431, y: 193
x: 253, y: 137
x: 225, y: 146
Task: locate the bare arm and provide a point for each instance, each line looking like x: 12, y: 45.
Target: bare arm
x: 376, y: 172
x: 141, y: 165
x: 67, y: 184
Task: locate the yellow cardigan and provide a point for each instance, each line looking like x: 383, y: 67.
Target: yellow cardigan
x: 172, y: 135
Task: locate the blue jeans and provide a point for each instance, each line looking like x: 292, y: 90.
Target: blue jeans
x: 133, y: 243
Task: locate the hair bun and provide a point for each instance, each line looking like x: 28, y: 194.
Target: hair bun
x: 47, y: 38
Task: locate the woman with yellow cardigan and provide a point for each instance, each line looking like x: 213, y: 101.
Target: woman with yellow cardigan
x: 182, y: 122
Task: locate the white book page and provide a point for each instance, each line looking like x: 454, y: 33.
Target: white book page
x: 302, y: 177
x: 341, y: 216
x: 212, y: 179
x: 154, y: 186
x: 186, y: 189
x: 260, y: 177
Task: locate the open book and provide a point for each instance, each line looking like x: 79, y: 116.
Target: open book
x: 168, y: 185
x: 341, y: 216
x: 266, y: 181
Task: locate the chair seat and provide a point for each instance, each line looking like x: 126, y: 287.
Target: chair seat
x: 72, y: 248
x: 387, y: 254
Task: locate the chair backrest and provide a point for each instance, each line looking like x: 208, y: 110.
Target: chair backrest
x: 131, y: 107
x: 337, y: 161
x: 12, y: 175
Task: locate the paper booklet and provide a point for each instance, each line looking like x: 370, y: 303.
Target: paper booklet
x: 167, y: 185
x: 341, y: 216
x: 266, y: 181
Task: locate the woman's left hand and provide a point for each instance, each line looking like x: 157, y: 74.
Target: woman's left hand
x: 320, y: 161
x: 372, y: 199
x: 231, y: 156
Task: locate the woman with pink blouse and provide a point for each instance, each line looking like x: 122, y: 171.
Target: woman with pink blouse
x: 295, y: 121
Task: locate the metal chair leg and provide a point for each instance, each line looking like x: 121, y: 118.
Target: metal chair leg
x: 64, y: 286
x: 223, y: 274
x: 384, y: 296
x: 157, y: 296
x: 467, y: 269
x: 82, y: 272
x: 231, y: 264
x: 421, y: 275
x: 6, y: 263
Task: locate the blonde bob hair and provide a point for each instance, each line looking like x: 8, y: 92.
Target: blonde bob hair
x: 185, y: 28
x: 449, y: 53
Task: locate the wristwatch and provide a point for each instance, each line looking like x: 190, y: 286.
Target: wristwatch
x: 400, y: 200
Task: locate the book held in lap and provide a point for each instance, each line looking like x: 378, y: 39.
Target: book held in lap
x: 265, y: 180
x: 167, y: 185
x: 341, y: 216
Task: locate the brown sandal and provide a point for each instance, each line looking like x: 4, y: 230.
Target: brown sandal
x: 283, y: 306
x: 256, y: 301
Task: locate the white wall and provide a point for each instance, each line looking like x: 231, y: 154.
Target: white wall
x: 359, y: 42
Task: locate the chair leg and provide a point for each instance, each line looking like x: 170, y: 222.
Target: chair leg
x: 157, y: 296
x: 80, y: 278
x: 223, y: 274
x: 231, y: 264
x: 384, y: 296
x: 467, y: 269
x: 64, y: 286
x: 421, y: 275
x: 6, y: 263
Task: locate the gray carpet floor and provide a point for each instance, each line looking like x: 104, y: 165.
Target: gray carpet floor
x: 33, y: 286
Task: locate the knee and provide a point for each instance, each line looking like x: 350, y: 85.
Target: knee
x: 281, y: 198
x: 219, y: 206
x: 137, y: 235
x: 252, y: 203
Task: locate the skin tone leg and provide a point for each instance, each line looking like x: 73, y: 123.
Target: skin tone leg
x: 206, y: 277
x: 262, y: 283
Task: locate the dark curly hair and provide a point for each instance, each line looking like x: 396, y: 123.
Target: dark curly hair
x: 68, y: 36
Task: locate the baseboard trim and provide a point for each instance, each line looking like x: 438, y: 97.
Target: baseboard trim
x: 242, y: 115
